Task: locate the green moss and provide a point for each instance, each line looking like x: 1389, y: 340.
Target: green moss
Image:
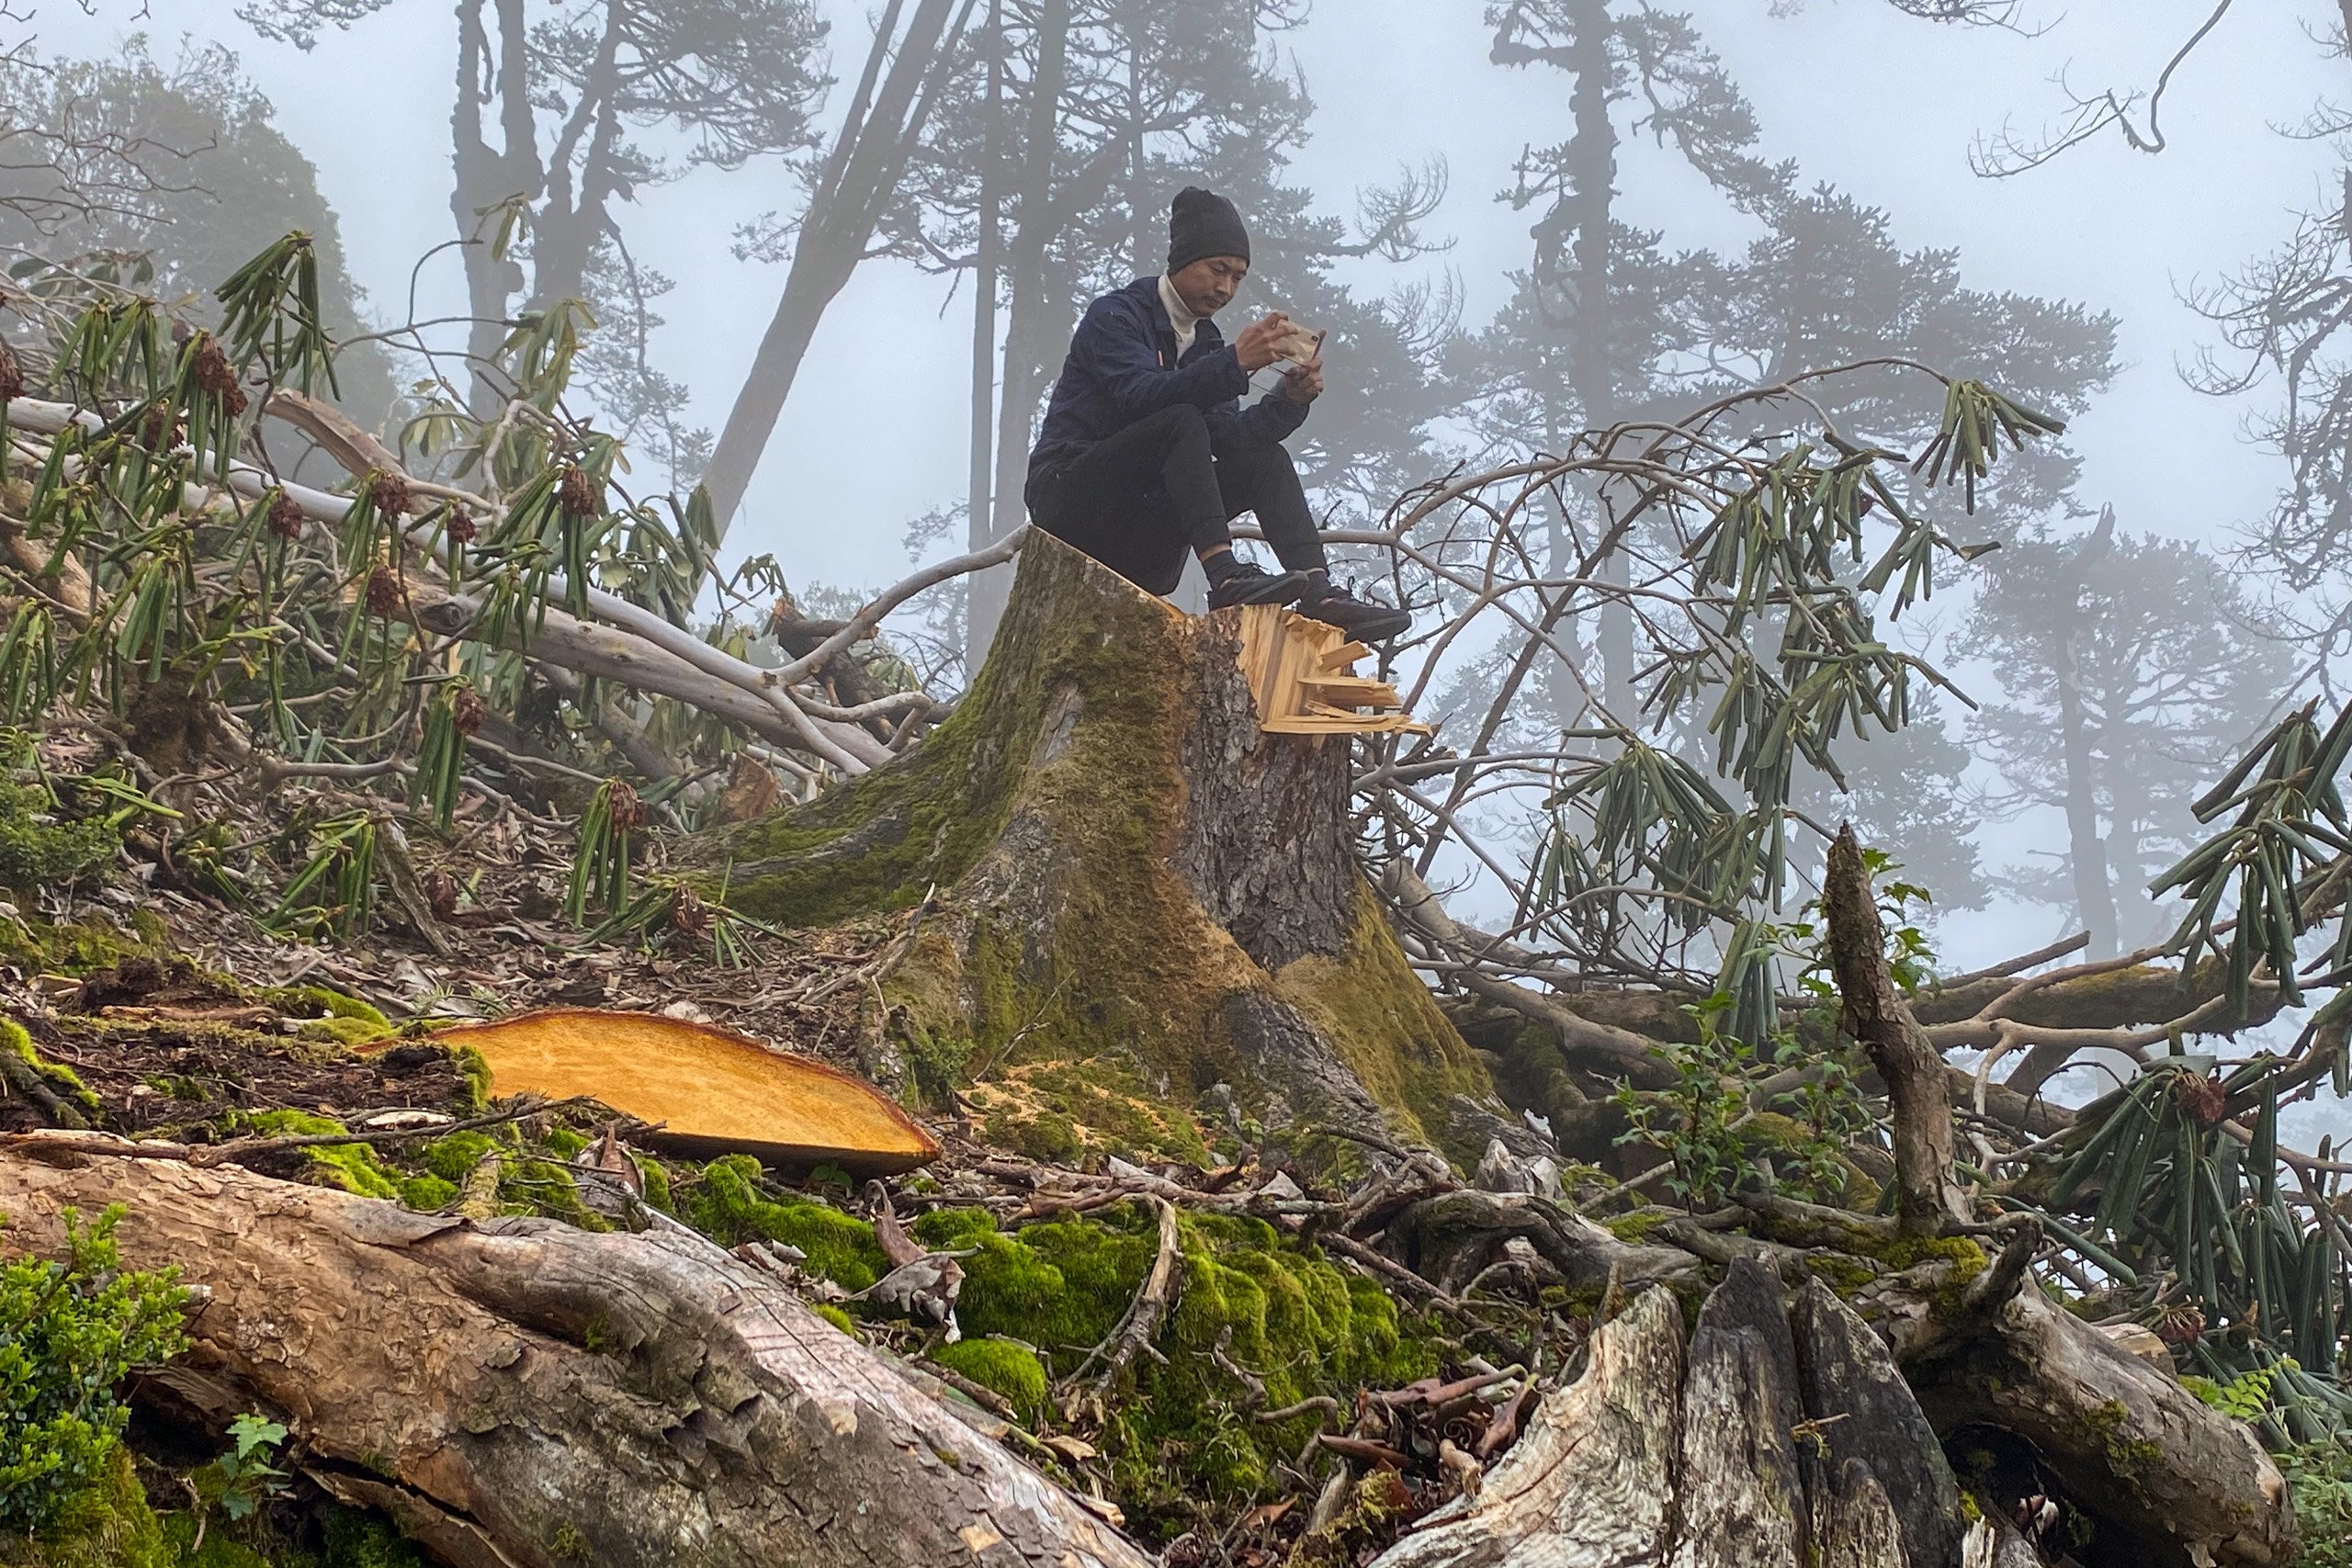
x: 564, y: 1141
x: 1636, y: 1228
x: 837, y: 1317
x: 728, y: 1204
x: 544, y: 1186
x: 453, y: 1155
x: 357, y: 1539
x: 61, y: 1080
x: 1381, y: 1019
x: 1002, y: 1368
x: 353, y: 1168
x: 1366, y: 1522
x: 1964, y: 1258
x: 567, y: 1541
x: 107, y: 1525
x: 40, y: 849
x: 332, y: 1016
x: 2128, y: 1455
x: 475, y: 1070
x: 77, y: 947
x: 1842, y: 1272
x: 657, y: 1182
x: 1180, y: 1440
x: 220, y: 1549
x: 427, y: 1192
x: 1061, y: 1111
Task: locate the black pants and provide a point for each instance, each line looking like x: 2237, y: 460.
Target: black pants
x: 1140, y: 499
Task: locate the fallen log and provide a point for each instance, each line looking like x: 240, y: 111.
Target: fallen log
x: 2157, y: 1467
x: 518, y: 1393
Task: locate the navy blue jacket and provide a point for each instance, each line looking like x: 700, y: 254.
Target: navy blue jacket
x: 1123, y: 368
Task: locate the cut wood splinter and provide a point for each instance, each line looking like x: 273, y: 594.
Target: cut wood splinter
x: 1302, y: 676
x: 710, y: 1091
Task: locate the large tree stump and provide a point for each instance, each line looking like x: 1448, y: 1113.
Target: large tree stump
x: 1117, y: 879
x: 518, y: 1393
x: 1784, y: 1438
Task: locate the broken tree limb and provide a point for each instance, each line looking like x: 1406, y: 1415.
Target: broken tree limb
x: 1140, y: 1326
x: 1918, y: 1087
x: 544, y: 1396
x: 2155, y: 1464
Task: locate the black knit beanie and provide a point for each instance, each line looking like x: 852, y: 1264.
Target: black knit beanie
x: 1203, y: 223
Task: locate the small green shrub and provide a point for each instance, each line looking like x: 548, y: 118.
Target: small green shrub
x: 69, y: 1332
x: 2320, y: 1476
x: 37, y: 848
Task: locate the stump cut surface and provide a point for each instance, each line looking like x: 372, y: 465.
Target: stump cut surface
x: 709, y: 1091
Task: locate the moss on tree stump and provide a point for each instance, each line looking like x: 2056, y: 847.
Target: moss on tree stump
x: 1106, y: 868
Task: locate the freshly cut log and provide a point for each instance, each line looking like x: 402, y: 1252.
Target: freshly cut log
x: 518, y: 1393
x: 708, y: 1091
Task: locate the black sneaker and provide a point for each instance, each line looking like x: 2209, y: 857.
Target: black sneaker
x: 1363, y: 620
x: 1246, y: 583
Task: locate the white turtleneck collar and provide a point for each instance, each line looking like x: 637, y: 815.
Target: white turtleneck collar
x: 1180, y: 316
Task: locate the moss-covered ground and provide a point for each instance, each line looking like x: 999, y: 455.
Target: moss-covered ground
x: 118, y: 1524
x: 1180, y: 1435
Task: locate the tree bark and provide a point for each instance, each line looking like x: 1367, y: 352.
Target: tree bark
x: 2162, y: 1471
x: 517, y: 1394
x: 1658, y: 1458
x: 1592, y: 1480
x: 1918, y: 1086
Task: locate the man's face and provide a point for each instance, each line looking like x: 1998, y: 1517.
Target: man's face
x: 1208, y: 284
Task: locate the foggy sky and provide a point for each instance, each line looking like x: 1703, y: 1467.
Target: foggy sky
x: 1880, y: 105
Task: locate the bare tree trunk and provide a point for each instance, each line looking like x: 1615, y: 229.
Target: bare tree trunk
x: 517, y: 1394
x: 1592, y: 173
x: 2170, y: 1480
x: 870, y: 157
x: 572, y: 222
x: 1918, y: 1087
x: 2085, y: 850
x: 484, y: 179
x: 980, y: 506
x: 1028, y: 336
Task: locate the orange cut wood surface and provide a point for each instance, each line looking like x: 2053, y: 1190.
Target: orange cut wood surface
x: 712, y: 1091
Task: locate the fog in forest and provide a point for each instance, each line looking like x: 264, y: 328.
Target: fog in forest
x: 1988, y: 191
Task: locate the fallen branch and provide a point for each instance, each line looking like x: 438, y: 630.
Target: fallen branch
x: 1140, y: 1325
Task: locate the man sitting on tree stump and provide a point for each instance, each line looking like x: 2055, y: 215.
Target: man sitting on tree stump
x: 1147, y: 450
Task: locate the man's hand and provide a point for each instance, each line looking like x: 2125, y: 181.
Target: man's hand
x: 1304, y: 383
x: 1259, y: 345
